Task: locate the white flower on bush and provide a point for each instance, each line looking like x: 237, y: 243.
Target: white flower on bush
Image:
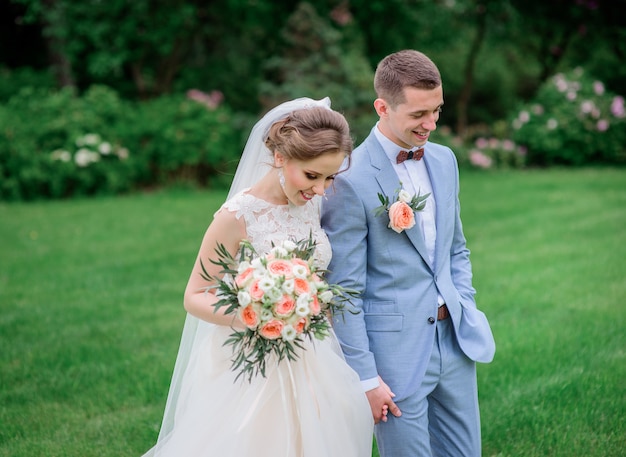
x: 61, y: 155
x: 105, y: 148
x: 122, y: 153
x: 84, y: 157
x: 91, y: 148
x: 524, y: 116
x: 552, y: 124
x: 587, y: 106
x: 90, y: 139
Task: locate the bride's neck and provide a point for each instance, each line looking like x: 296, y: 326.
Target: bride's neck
x: 269, y: 189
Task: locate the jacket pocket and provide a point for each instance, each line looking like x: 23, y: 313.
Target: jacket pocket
x: 376, y: 322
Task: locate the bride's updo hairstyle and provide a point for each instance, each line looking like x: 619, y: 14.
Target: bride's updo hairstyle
x: 309, y: 133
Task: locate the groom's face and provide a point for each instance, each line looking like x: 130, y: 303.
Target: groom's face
x: 409, y: 124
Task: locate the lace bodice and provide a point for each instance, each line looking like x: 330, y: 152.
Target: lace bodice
x: 267, y: 223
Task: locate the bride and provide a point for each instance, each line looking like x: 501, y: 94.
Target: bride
x: 313, y: 406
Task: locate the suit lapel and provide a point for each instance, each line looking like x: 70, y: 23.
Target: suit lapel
x: 389, y: 183
x: 435, y: 167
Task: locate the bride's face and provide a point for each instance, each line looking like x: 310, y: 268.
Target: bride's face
x: 305, y: 179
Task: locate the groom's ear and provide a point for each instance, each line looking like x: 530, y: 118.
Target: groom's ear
x: 381, y: 107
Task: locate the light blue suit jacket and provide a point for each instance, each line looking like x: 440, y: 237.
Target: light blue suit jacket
x: 391, y: 335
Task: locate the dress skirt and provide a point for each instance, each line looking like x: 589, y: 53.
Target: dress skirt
x: 310, y: 407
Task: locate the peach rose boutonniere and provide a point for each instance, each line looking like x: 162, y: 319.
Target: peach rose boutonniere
x: 280, y: 297
x: 402, y: 210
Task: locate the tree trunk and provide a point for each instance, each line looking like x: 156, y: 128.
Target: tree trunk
x: 59, y: 61
x: 466, y: 91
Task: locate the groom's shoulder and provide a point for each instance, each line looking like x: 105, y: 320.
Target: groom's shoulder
x: 364, y: 153
x: 439, y: 147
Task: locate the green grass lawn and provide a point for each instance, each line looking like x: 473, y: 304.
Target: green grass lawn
x: 91, y: 314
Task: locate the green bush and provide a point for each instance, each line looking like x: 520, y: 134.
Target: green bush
x: 13, y: 80
x: 56, y: 144
x: 573, y: 120
x: 184, y: 139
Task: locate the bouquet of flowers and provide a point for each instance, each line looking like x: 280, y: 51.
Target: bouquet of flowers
x: 280, y: 297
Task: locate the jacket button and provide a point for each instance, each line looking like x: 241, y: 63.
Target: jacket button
x: 431, y: 320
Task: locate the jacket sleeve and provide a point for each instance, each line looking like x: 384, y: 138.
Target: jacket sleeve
x: 344, y: 220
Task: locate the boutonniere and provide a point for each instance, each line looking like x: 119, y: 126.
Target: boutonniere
x: 402, y: 210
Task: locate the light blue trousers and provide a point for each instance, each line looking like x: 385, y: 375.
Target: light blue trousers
x: 442, y: 417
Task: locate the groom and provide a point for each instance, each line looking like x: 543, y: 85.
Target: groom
x: 418, y: 335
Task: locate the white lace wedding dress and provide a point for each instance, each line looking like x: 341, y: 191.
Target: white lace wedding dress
x: 311, y: 407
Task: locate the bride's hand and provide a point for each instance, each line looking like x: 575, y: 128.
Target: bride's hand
x: 381, y: 402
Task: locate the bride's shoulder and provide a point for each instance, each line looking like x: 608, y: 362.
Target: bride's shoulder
x: 243, y: 204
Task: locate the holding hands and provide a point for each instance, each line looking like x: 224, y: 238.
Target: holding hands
x: 381, y: 402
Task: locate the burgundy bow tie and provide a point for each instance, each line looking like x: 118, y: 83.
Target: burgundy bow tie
x: 408, y: 155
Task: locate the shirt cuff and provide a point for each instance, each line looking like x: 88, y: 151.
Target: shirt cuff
x: 369, y: 384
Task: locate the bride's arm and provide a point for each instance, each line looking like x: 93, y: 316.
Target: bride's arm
x: 228, y: 231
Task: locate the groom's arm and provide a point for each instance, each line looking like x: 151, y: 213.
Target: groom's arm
x: 460, y: 264
x: 345, y: 222
x: 344, y: 219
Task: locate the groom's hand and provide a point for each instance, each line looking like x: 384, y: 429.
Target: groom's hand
x: 381, y: 402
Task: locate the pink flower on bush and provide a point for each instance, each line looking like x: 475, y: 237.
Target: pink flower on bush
x: 508, y: 145
x: 481, y: 143
x: 617, y: 106
x: 598, y: 87
x: 479, y: 159
x: 602, y: 125
x: 211, y: 100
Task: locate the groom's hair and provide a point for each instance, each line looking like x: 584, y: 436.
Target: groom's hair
x: 407, y: 68
x: 309, y: 133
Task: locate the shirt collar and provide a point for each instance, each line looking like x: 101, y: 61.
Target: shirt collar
x: 391, y: 149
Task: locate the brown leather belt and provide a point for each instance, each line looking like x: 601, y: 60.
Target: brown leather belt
x: 442, y: 312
